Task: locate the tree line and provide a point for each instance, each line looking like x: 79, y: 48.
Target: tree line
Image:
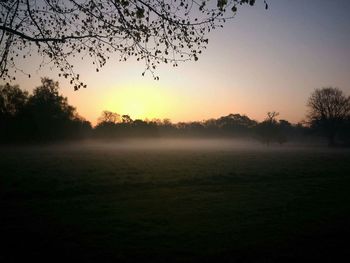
x: 45, y: 116
x: 112, y: 125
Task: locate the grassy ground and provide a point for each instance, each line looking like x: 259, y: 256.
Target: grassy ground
x: 227, y: 205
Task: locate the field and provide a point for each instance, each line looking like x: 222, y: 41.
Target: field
x: 196, y: 203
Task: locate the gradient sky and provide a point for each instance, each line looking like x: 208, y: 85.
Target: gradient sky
x: 260, y: 61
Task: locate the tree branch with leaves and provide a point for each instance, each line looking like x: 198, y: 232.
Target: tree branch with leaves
x: 152, y: 31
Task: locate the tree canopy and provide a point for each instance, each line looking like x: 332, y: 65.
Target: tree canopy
x: 328, y: 109
x: 153, y: 31
x: 43, y: 115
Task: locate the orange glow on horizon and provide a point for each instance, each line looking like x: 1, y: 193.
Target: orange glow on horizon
x: 139, y: 102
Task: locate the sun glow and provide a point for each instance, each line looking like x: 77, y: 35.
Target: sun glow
x: 138, y: 102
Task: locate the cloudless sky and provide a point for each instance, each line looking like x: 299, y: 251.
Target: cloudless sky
x: 262, y: 60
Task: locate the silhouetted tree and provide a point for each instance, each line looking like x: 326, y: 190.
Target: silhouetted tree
x: 166, y: 127
x: 107, y: 125
x: 154, y: 31
x: 12, y: 103
x: 235, y: 124
x: 285, y: 130
x: 268, y: 130
x: 110, y: 125
x: 12, y: 100
x: 143, y: 128
x: 48, y: 113
x: 328, y: 109
x: 109, y: 117
x: 126, y: 119
x: 43, y: 115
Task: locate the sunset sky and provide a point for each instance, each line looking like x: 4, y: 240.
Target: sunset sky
x: 263, y: 60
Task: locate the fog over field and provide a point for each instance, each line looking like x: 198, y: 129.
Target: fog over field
x: 172, y: 144
x: 181, y: 144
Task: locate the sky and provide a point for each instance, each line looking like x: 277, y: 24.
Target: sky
x: 261, y: 61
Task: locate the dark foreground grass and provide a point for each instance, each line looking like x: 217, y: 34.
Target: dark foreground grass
x: 92, y: 204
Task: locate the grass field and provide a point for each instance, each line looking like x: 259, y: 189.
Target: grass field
x: 174, y: 204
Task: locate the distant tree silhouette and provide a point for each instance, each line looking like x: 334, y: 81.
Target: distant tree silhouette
x: 230, y: 126
x: 285, y: 131
x: 328, y: 110
x: 154, y: 31
x: 109, y: 117
x: 111, y: 125
x: 126, y: 119
x: 141, y: 128
x: 271, y: 130
x: 235, y: 124
x: 107, y: 125
x: 12, y: 103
